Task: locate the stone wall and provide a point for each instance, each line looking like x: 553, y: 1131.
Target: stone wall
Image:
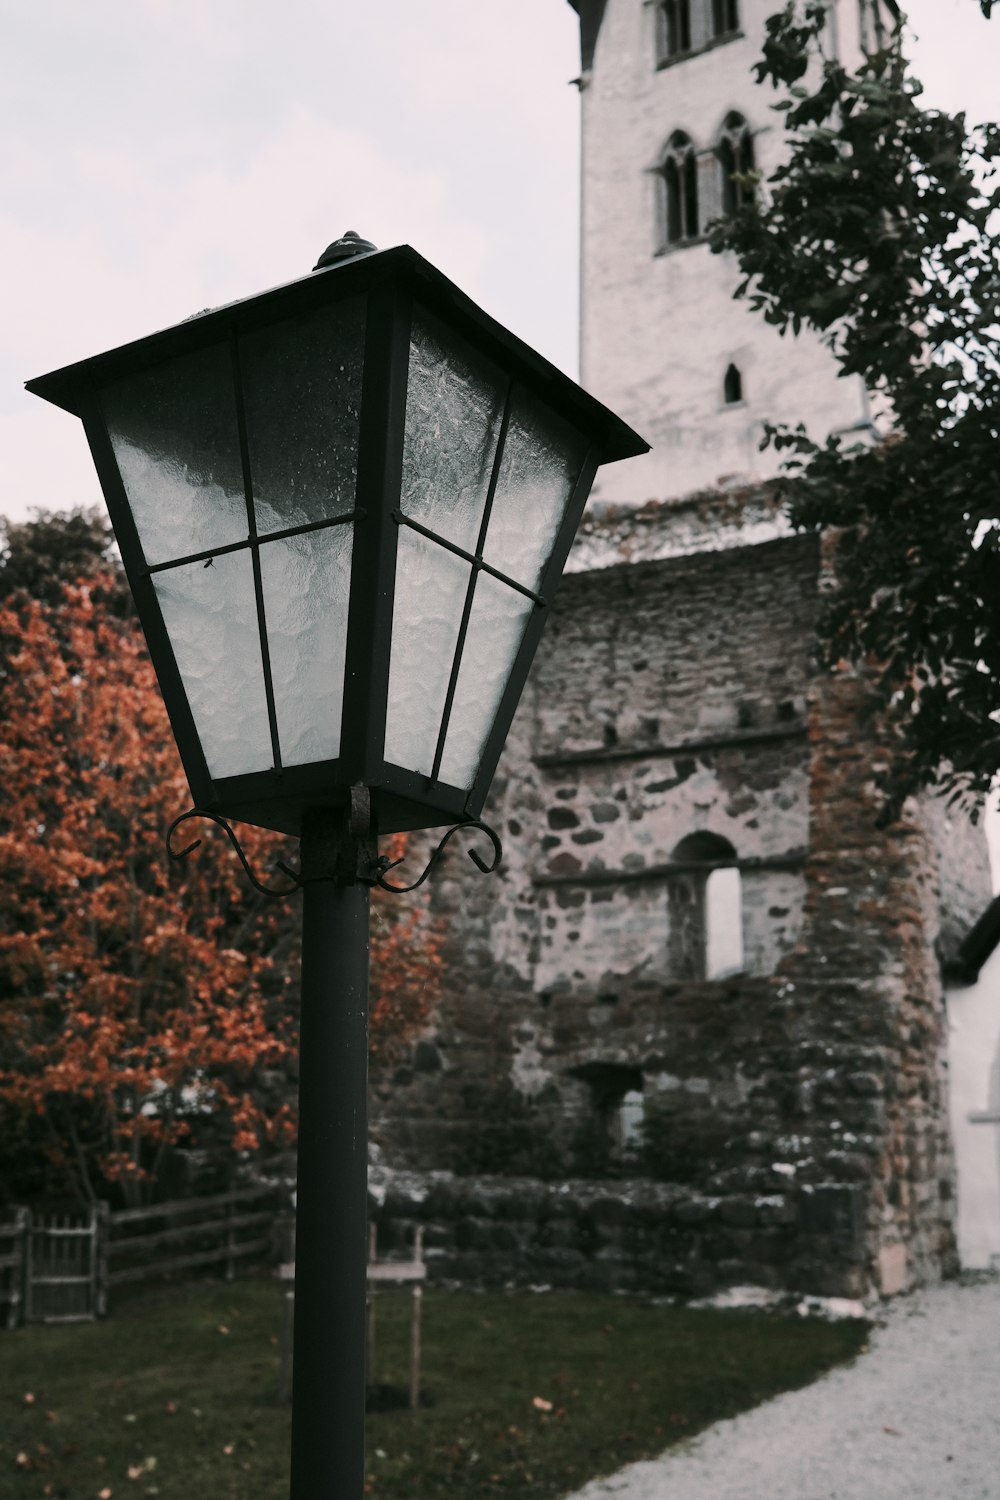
x: 677, y: 698
x: 635, y: 1236
x: 677, y: 729
x: 648, y: 718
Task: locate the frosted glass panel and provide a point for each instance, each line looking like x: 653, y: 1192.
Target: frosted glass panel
x: 431, y: 585
x: 302, y: 397
x: 496, y: 626
x: 211, y: 618
x: 306, y: 582
x: 454, y: 405
x: 173, y: 430
x: 541, y: 461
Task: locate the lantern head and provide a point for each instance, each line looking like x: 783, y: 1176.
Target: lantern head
x: 343, y: 507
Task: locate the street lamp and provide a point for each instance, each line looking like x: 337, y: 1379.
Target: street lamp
x: 342, y: 506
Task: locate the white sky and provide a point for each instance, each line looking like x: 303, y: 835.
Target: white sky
x: 161, y: 156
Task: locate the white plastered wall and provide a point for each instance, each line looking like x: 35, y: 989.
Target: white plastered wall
x: 659, y: 330
x: 974, y: 1086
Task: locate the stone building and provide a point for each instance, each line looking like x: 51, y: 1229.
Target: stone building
x: 693, y: 1035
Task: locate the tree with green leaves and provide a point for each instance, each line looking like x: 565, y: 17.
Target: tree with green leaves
x: 878, y: 231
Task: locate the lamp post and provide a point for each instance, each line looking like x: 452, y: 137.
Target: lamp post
x: 342, y: 506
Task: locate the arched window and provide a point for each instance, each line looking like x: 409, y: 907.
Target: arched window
x: 705, y: 909
x: 725, y: 17
x: 736, y: 161
x: 675, y: 28
x: 679, y: 173
x: 617, y: 1103
x: 732, y: 386
x: 723, y: 923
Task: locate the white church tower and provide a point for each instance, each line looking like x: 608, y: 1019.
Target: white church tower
x: 671, y: 110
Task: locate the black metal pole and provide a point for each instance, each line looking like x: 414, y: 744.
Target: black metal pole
x: 328, y: 1371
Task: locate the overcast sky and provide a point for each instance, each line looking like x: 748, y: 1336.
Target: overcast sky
x: 161, y: 156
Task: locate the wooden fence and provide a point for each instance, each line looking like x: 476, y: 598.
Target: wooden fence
x: 13, y: 1250
x: 62, y: 1281
x: 57, y: 1268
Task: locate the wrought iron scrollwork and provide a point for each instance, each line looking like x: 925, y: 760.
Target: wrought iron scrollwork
x: 376, y: 877
x: 477, y: 860
x: 176, y: 855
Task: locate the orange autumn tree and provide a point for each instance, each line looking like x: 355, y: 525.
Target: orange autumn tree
x: 142, y: 1007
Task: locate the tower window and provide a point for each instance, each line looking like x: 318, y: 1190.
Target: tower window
x: 732, y: 386
x: 725, y: 17
x: 736, y: 163
x: 675, y: 29
x: 679, y: 174
x: 705, y: 909
x: 686, y: 27
x: 617, y: 1102
x: 723, y: 923
x: 627, y: 1126
x: 874, y: 9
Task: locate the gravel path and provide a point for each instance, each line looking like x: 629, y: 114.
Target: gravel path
x: 916, y: 1418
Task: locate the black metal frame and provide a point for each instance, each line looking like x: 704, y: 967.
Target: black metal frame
x: 371, y: 869
x: 396, y: 281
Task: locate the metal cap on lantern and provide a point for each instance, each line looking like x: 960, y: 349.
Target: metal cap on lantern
x: 343, y: 507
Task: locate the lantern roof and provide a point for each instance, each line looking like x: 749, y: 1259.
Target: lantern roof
x: 69, y: 386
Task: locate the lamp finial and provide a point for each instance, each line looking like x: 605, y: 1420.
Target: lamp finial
x: 349, y: 244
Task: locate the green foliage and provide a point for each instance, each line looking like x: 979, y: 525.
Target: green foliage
x: 39, y: 556
x: 176, y: 1393
x: 876, y: 232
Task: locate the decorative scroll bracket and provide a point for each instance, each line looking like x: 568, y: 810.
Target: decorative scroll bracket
x: 369, y: 871
x: 477, y: 860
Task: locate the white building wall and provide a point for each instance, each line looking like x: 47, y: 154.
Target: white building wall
x: 974, y: 1084
x: 658, y: 329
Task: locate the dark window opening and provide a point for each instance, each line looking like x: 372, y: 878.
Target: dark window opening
x: 680, y: 191
x: 617, y: 1102
x: 705, y: 909
x: 725, y: 17
x: 879, y: 23
x: 675, y: 22
x: 868, y: 39
x: 737, y: 163
x: 733, y: 386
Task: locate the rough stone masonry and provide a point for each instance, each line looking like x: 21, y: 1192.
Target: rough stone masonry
x: 595, y: 1105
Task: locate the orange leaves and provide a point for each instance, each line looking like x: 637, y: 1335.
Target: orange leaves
x: 406, y: 965
x: 130, y: 998
x: 142, y: 1006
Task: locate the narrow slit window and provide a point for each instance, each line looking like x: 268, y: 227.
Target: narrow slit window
x: 733, y: 386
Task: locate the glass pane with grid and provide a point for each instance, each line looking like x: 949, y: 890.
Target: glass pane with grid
x: 302, y: 397
x: 175, y: 434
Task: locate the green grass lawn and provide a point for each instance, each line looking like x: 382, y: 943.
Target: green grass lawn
x: 175, y: 1394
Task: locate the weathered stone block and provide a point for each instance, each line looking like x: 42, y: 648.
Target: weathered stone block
x: 738, y: 1211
